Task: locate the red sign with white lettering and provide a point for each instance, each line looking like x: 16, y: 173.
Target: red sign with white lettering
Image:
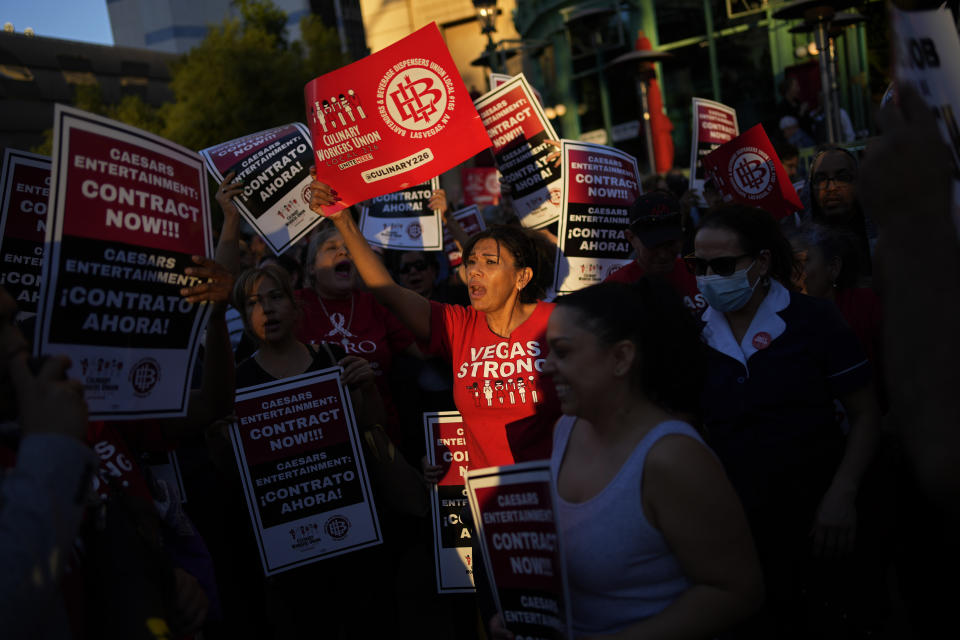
x: 747, y: 170
x: 392, y: 120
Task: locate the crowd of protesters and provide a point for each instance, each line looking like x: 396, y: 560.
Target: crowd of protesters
x: 751, y: 426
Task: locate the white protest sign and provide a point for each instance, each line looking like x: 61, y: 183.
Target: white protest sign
x: 127, y: 211
x: 274, y: 166
x: 599, y: 185
x: 302, y: 468
x: 403, y: 219
x: 519, y: 129
x: 928, y: 57
x: 452, y: 542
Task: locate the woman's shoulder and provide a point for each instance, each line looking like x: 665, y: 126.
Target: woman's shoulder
x: 675, y: 445
x: 250, y: 373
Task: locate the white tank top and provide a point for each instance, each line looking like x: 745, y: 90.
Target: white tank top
x: 620, y: 569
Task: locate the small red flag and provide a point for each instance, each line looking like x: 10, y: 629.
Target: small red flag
x: 747, y: 170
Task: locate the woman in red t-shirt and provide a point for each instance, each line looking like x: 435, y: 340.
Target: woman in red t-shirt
x: 497, y: 345
x: 335, y: 311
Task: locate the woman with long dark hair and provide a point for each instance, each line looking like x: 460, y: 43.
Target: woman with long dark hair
x: 655, y: 540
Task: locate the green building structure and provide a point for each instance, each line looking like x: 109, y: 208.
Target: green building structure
x: 732, y: 51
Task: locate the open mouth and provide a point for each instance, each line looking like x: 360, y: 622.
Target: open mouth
x: 477, y: 291
x: 343, y: 269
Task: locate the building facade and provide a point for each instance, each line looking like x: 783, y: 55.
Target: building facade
x: 37, y: 72
x: 175, y: 26
x: 732, y: 51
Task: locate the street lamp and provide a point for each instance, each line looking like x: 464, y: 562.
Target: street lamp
x: 487, y: 17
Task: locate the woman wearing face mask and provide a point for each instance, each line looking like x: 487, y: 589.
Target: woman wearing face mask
x: 777, y: 360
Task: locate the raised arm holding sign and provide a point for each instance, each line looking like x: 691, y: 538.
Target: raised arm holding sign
x: 274, y: 167
x: 392, y: 120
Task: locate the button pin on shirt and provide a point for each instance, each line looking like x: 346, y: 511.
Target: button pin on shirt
x: 761, y: 340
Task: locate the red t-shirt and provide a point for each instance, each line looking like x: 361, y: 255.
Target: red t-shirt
x: 860, y: 307
x: 679, y: 278
x: 363, y: 328
x: 508, y: 407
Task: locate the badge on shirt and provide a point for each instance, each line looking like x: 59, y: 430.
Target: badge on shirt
x: 761, y: 340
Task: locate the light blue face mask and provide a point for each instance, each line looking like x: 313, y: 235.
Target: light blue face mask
x: 727, y: 293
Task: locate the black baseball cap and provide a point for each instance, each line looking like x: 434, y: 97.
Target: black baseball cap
x: 655, y: 218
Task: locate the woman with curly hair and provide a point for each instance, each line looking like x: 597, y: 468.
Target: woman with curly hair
x: 496, y: 345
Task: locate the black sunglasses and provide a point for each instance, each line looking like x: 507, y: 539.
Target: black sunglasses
x: 721, y: 266
x: 419, y: 265
x: 820, y: 180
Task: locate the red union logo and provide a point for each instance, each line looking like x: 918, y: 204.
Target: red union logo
x: 752, y: 173
x: 415, y: 95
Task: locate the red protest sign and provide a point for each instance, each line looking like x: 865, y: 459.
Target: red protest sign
x: 514, y: 513
x: 714, y: 123
x: 481, y: 186
x: 472, y: 223
x: 391, y: 120
x: 747, y: 170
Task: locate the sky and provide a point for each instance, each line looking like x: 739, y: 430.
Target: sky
x: 85, y: 20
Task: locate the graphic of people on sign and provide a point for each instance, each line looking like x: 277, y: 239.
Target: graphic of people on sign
x: 355, y: 101
x: 318, y: 115
x: 335, y: 112
x: 338, y: 110
x: 522, y: 389
x: 345, y: 106
x: 327, y: 117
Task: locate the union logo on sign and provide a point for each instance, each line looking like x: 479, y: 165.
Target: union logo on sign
x: 416, y: 97
x: 144, y: 376
x: 337, y: 527
x: 752, y: 173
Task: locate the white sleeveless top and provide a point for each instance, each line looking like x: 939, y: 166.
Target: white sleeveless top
x: 619, y: 567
